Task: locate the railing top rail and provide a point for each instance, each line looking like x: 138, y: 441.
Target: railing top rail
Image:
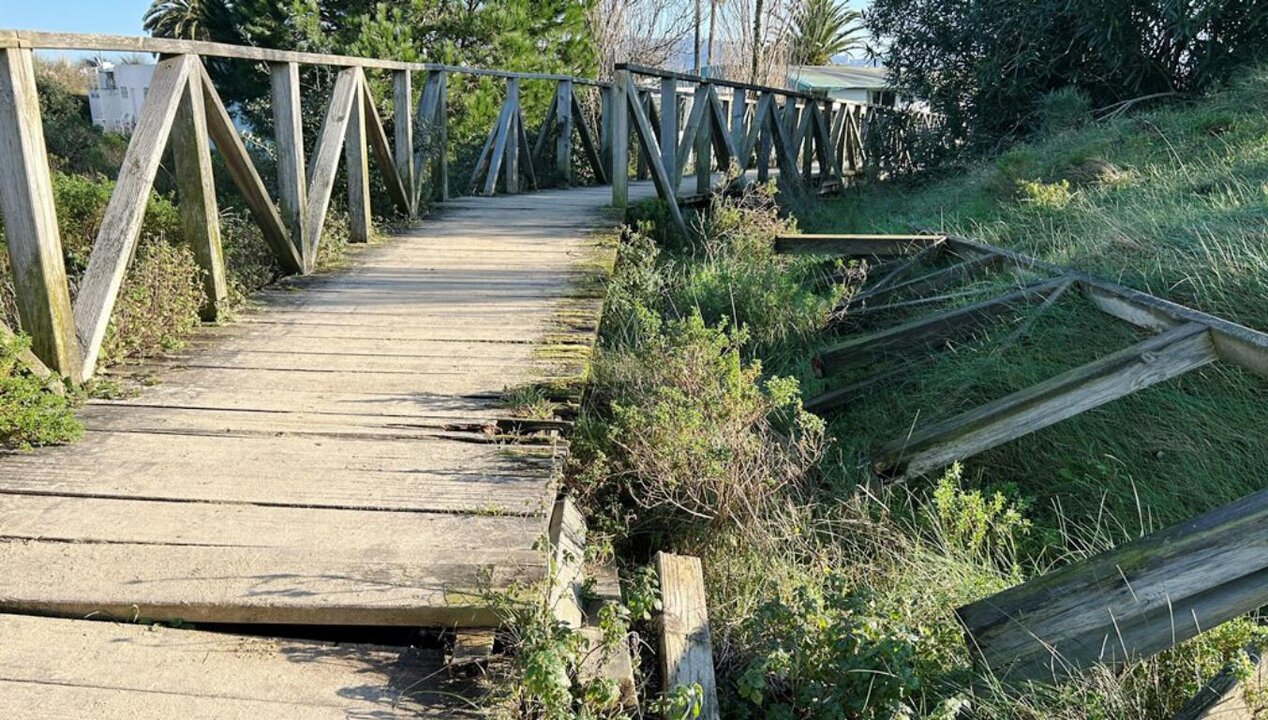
x: 736, y: 85
x: 37, y: 40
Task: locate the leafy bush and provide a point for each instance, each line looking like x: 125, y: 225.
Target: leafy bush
x: 822, y: 652
x: 157, y: 305
x: 1066, y: 109
x: 29, y: 413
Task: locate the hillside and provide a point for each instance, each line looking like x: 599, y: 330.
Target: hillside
x: 1173, y: 201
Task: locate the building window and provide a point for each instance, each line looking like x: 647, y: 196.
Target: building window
x: 884, y: 98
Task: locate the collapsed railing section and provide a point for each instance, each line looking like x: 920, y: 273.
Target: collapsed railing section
x: 1115, y: 607
x: 183, y: 109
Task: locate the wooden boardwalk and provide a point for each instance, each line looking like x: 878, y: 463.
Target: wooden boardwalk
x: 338, y: 456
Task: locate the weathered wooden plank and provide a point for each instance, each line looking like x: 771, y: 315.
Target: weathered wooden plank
x: 243, y: 585
x: 854, y: 245
x: 30, y: 220
x: 928, y: 331
x: 567, y: 535
x: 288, y: 136
x: 431, y: 140
x: 563, y: 140
x: 1075, y: 391
x: 325, y: 161
x: 515, y: 128
x: 195, y: 184
x: 739, y: 134
x: 147, y: 672
x: 1130, y: 602
x: 723, y: 146
x: 618, y: 139
x: 383, y: 154
x: 357, y: 167
x: 685, y: 646
x: 496, y: 146
x: 588, y: 144
x: 1226, y: 697
x: 403, y: 133
x: 669, y: 127
x: 471, y: 646
x: 121, y: 223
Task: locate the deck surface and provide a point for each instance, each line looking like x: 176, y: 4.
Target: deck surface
x: 334, y: 456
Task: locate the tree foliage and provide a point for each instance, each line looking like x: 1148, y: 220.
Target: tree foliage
x: 824, y: 28
x: 985, y: 63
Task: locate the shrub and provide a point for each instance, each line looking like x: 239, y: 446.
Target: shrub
x: 157, y: 305
x: 29, y: 413
x: 1066, y: 109
x: 822, y: 652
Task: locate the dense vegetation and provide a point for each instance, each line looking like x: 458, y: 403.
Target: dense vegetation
x: 831, y: 597
x: 983, y: 63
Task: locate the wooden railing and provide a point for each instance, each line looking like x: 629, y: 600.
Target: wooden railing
x: 709, y: 126
x: 183, y: 108
x: 687, y: 125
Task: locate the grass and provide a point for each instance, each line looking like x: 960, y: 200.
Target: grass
x: 1171, y: 202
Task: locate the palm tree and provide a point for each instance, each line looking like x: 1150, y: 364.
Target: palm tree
x: 824, y: 28
x: 185, y: 19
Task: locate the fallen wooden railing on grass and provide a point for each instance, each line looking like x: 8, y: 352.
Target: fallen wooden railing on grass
x: 1130, y: 602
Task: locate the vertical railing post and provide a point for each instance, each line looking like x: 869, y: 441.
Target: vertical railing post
x: 704, y: 144
x: 288, y: 135
x: 30, y: 219
x: 563, y: 126
x: 196, y: 189
x: 669, y: 128
x: 356, y: 158
x: 512, y: 158
x: 765, y: 132
x: 403, y: 134
x: 619, y: 139
x: 739, y: 109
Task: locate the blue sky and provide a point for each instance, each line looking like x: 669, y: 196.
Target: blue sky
x: 117, y: 17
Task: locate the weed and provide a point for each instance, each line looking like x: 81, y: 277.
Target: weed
x: 30, y: 414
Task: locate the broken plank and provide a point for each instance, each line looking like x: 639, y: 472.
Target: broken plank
x: 1146, y: 363
x: 686, y: 648
x: 1130, y: 602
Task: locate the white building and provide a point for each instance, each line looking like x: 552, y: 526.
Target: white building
x: 856, y: 83
x: 116, y: 94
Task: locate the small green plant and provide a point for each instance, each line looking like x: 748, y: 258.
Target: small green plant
x: 970, y: 524
x: 528, y: 401
x: 1046, y: 196
x: 30, y: 414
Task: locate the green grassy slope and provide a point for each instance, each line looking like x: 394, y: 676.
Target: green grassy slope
x: 1173, y: 201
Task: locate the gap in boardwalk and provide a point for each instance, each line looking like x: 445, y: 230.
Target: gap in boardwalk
x: 384, y: 636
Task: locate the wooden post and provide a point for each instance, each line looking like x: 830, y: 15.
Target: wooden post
x: 739, y: 109
x: 196, y: 187
x: 357, y: 162
x: 605, y: 128
x: 511, y: 159
x: 433, y: 127
x: 325, y: 162
x: 563, y: 124
x: 765, y: 121
x: 619, y: 140
x: 30, y: 219
x: 704, y: 143
x: 288, y: 135
x: 669, y: 127
x: 685, y: 646
x: 403, y: 134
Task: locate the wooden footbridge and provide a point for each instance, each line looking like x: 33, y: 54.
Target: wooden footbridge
x: 339, y: 455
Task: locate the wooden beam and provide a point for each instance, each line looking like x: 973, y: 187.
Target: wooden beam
x: 357, y: 165
x: 739, y: 111
x: 723, y: 146
x: 669, y: 126
x: 687, y: 143
x: 403, y: 135
x: 1146, y: 363
x: 388, y: 165
x: 704, y: 144
x: 663, y: 184
x: 514, y: 128
x: 121, y: 223
x: 567, y: 534
x: 1229, y: 695
x: 196, y: 188
x: 587, y: 143
x: 928, y: 331
x: 548, y: 122
x: 853, y: 245
x: 497, y: 141
x: 432, y: 126
x: 619, y: 139
x: 563, y: 139
x: 30, y: 220
x: 325, y: 161
x: 288, y: 137
x: 1130, y: 602
x: 685, y: 646
x: 526, y: 158
x: 247, y: 179
x: 1235, y: 343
